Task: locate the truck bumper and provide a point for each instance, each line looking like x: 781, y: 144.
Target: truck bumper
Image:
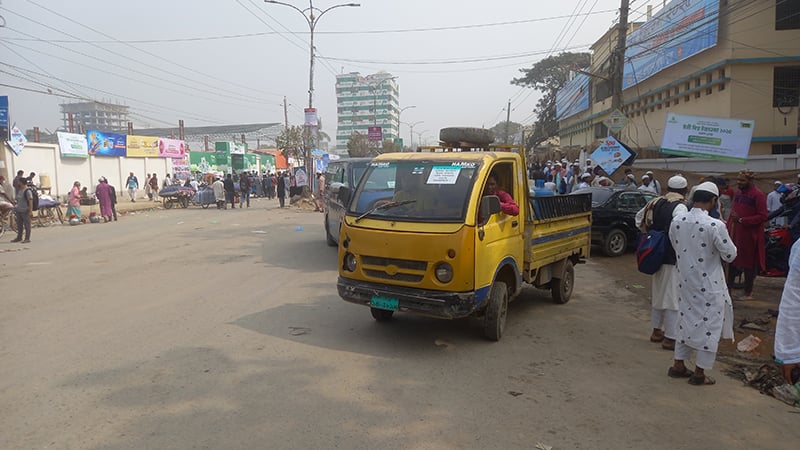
x: 444, y: 305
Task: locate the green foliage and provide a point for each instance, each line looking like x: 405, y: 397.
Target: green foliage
x: 503, y: 134
x: 359, y: 145
x: 548, y: 76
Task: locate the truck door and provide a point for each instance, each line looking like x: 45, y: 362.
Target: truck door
x: 499, y: 238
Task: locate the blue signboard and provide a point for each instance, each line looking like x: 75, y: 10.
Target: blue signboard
x: 106, y: 144
x: 573, y: 97
x: 680, y: 30
x: 3, y: 118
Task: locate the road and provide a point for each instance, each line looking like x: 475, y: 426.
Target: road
x: 222, y: 329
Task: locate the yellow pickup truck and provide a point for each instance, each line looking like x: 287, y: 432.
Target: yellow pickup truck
x: 423, y: 234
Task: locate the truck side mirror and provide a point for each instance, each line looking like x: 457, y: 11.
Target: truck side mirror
x: 344, y: 195
x: 490, y: 204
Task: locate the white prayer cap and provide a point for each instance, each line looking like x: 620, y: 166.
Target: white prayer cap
x: 778, y: 181
x: 586, y: 175
x: 649, y: 172
x: 558, y: 164
x: 645, y: 176
x: 677, y: 182
x: 708, y: 187
x: 631, y: 176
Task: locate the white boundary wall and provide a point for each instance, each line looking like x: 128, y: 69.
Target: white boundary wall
x: 763, y: 163
x: 45, y: 159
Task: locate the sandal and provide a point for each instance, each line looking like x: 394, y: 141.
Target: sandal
x: 672, y: 373
x: 668, y: 344
x: 705, y: 381
x: 657, y: 336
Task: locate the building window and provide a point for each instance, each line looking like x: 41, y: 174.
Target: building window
x: 600, y: 130
x: 721, y: 74
x: 709, y: 79
x: 786, y: 87
x: 784, y: 149
x: 787, y: 15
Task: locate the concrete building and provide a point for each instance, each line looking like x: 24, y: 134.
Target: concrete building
x: 94, y: 116
x: 363, y: 102
x: 748, y: 69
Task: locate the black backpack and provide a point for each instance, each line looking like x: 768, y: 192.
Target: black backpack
x: 35, y: 196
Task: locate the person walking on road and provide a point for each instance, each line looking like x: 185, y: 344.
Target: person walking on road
x: 103, y: 194
x: 154, y: 187
x: 24, y: 212
x: 705, y: 308
x: 74, y: 201
x: 167, y: 181
x: 244, y: 187
x: 230, y: 191
x: 787, y: 330
x: 113, y: 195
x: 132, y: 184
x: 657, y: 215
x: 774, y: 204
x: 219, y: 193
x: 283, y: 187
x: 746, y: 227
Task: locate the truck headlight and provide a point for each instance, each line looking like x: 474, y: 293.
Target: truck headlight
x: 444, y: 272
x: 350, y: 262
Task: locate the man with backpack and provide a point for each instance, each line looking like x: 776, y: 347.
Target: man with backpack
x: 24, y: 211
x: 656, y: 216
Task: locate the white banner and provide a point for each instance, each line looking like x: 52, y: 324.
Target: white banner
x: 73, y: 145
x: 707, y: 137
x: 18, y: 140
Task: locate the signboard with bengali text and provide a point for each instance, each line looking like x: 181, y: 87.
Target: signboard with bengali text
x: 106, y: 144
x: 141, y: 146
x: 73, y: 145
x: 171, y: 148
x: 573, y: 97
x: 610, y: 155
x: 707, y: 137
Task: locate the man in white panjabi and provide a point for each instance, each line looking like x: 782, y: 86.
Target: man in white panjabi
x: 657, y: 215
x: 787, y: 330
x: 705, y: 309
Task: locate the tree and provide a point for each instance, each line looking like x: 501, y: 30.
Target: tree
x: 548, y: 76
x: 500, y: 131
x: 290, y: 142
x: 360, y: 146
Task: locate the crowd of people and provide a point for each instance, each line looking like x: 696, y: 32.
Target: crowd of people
x: 712, y: 243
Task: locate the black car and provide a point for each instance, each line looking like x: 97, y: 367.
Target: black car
x: 340, y: 173
x: 614, y: 216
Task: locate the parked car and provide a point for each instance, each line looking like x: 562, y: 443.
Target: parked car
x: 614, y: 216
x: 340, y: 173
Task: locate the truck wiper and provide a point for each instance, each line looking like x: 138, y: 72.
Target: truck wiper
x: 389, y: 205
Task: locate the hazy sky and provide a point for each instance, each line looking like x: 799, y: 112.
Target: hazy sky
x: 157, y: 58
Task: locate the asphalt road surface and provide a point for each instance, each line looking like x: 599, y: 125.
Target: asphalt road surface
x: 223, y: 330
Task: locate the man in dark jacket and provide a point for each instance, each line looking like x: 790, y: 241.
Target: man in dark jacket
x: 282, y: 190
x: 230, y: 190
x: 244, y: 188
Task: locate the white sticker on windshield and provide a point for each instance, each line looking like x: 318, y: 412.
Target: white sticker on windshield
x: 443, y: 175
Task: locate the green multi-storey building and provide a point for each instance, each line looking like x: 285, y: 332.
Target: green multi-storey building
x: 363, y: 102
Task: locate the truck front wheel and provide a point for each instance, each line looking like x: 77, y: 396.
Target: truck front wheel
x: 494, y: 321
x: 561, y: 288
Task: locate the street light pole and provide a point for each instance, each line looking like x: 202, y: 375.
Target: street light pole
x: 411, y: 134
x: 312, y: 21
x: 399, y: 113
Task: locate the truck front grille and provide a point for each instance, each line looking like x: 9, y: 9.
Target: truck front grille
x: 407, y: 270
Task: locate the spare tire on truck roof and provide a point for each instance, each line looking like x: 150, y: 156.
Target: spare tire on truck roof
x: 466, y: 135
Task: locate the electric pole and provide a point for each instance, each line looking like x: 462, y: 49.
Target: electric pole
x: 285, y: 115
x: 508, y: 119
x: 618, y: 58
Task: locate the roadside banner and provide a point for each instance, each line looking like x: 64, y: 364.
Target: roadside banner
x: 707, y: 137
x: 72, y: 145
x: 141, y: 146
x: 3, y: 117
x: 106, y: 144
x: 610, y: 155
x: 180, y: 168
x: 375, y: 133
x: 300, y: 177
x: 203, y: 162
x: 171, y: 148
x: 310, y: 117
x: 17, y: 141
x: 238, y: 148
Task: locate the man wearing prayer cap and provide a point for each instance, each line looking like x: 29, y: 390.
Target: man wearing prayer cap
x: 655, y: 182
x: 657, y: 215
x: 705, y: 310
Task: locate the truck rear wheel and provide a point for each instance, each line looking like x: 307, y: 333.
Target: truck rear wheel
x: 328, y: 238
x: 561, y: 288
x: 476, y: 136
x: 494, y: 321
x: 381, y: 315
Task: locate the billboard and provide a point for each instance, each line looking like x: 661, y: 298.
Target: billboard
x: 678, y: 31
x: 3, y: 118
x: 707, y: 137
x: 106, y: 144
x: 610, y: 155
x: 171, y: 148
x: 375, y: 133
x: 573, y: 97
x: 141, y: 146
x: 72, y: 145
x: 310, y: 117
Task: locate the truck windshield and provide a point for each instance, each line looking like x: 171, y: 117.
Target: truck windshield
x: 435, y: 191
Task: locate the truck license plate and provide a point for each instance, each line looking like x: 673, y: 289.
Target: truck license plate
x: 389, y: 304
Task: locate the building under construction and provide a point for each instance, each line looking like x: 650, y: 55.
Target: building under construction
x: 94, y: 116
